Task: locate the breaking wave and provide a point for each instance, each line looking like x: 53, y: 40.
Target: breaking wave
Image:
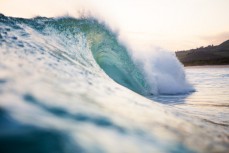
x: 159, y: 73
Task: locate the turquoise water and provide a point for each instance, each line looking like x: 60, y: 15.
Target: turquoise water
x: 68, y: 85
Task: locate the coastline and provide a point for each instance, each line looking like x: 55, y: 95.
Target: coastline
x: 207, y: 66
x: 204, y: 64
x: 210, y: 55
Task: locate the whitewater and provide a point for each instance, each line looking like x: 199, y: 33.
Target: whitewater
x: 71, y: 85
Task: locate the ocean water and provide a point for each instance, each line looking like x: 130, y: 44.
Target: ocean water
x: 71, y: 86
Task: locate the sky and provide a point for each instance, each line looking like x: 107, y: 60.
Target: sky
x: 169, y: 24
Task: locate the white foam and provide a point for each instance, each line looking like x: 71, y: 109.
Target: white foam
x: 163, y: 71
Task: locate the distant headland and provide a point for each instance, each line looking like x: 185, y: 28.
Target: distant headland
x: 210, y: 55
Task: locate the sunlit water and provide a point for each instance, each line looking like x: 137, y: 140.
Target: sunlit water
x: 54, y: 97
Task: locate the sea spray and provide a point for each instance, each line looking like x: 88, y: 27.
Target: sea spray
x: 163, y: 71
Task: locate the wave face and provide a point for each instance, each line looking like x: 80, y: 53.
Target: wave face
x: 112, y: 56
x: 58, y: 94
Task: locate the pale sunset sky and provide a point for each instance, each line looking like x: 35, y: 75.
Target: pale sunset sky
x: 170, y: 24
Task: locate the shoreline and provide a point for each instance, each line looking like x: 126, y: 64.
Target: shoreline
x: 202, y: 65
x: 207, y: 66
